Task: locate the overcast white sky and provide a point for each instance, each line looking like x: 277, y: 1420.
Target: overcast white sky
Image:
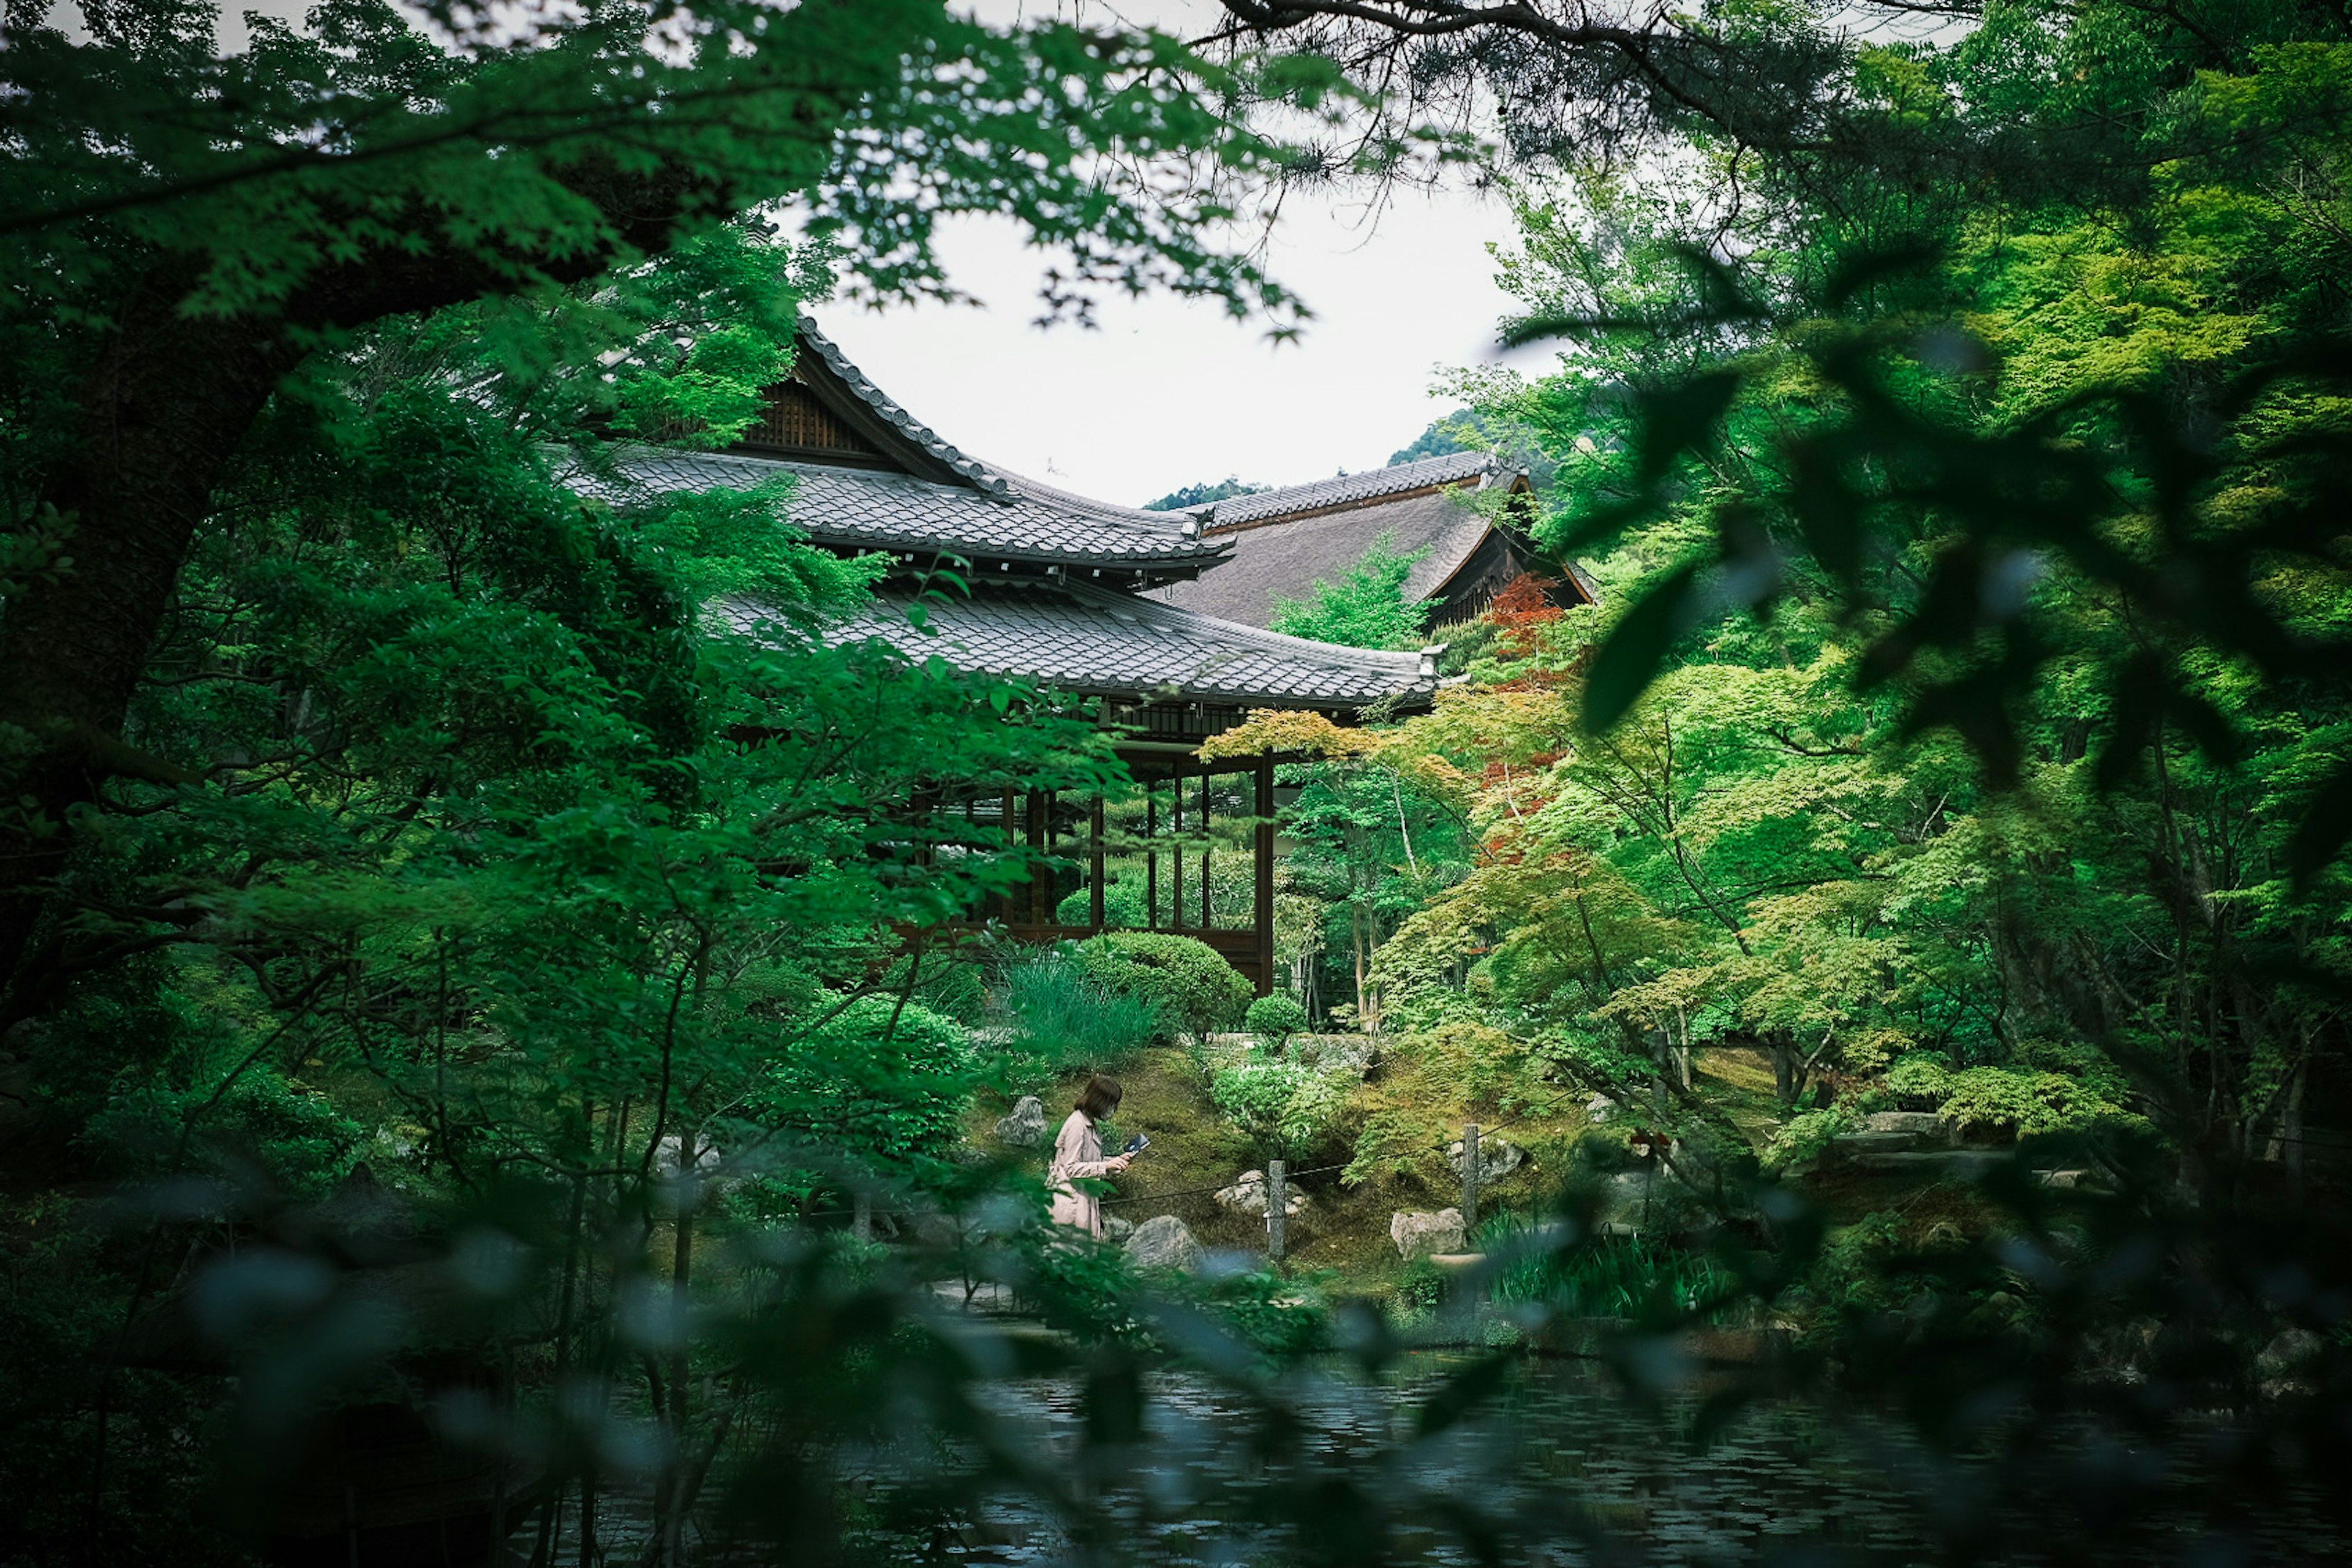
x: 1168, y: 392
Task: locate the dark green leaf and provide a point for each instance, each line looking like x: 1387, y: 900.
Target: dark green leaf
x: 1637, y: 645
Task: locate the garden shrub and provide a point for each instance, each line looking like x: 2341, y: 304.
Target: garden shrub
x: 1600, y: 1275
x: 1920, y: 1081
x: 1274, y: 1019
x: 1122, y: 904
x: 1284, y: 1108
x: 298, y: 1142
x: 1194, y: 989
x: 2023, y: 1102
x: 861, y: 1082
x: 1806, y: 1135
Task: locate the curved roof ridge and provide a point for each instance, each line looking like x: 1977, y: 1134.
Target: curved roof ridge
x: 1379, y: 660
x: 997, y: 480
x: 971, y: 469
x: 1340, y: 490
x: 1170, y: 524
x: 877, y: 508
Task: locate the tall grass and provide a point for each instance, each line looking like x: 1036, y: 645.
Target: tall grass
x: 1060, y: 1020
x: 1597, y: 1276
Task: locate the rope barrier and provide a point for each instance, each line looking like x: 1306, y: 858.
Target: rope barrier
x: 1220, y: 1186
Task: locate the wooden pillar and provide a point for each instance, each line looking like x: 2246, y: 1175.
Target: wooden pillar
x: 1264, y: 876
x: 1206, y: 921
x: 1041, y: 881
x: 1011, y: 899
x: 1469, y: 1184
x: 1176, y: 860
x: 1094, y: 861
x: 1277, y: 1205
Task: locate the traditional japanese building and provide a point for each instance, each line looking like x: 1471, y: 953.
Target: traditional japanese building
x: 1060, y: 593
x: 1462, y: 514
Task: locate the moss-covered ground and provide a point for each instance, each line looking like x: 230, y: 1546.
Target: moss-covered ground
x: 1343, y: 1235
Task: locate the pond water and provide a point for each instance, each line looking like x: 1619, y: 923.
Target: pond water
x: 1561, y: 1465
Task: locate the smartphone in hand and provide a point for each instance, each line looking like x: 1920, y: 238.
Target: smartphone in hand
x: 1137, y: 1145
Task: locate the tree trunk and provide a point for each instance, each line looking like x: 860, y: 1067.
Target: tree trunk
x: 2295, y: 1129
x: 670, y: 1496
x: 1356, y: 941
x: 1788, y: 1073
x: 163, y: 407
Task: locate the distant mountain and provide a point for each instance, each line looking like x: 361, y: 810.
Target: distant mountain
x: 1192, y: 496
x: 1441, y: 438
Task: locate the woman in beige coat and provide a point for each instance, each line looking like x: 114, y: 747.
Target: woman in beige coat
x: 1078, y: 1156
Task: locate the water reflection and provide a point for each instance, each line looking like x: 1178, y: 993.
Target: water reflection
x: 1562, y: 1467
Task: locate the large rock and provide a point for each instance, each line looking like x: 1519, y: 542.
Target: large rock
x: 1341, y: 1055
x: 1026, y: 1127
x: 672, y: 1148
x: 1914, y: 1123
x: 934, y: 1226
x: 2288, y: 1355
x: 1497, y: 1157
x: 1248, y: 1195
x: 1117, y: 1230
x: 1163, y: 1242
x: 1597, y: 1110
x: 1420, y: 1234
x: 1646, y: 1198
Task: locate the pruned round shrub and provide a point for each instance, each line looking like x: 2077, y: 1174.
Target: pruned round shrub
x: 1274, y: 1019
x: 1195, y: 990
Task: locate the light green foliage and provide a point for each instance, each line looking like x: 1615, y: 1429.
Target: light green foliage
x: 262, y: 1128
x: 881, y: 1078
x: 2017, y: 1099
x: 1286, y: 1108
x: 497, y: 134
x: 431, y: 801
x: 1444, y: 436
x: 1064, y: 1019
x: 1806, y: 1136
x: 1182, y: 977
x: 1372, y: 841
x: 1365, y: 608
x: 1701, y: 828
x: 1273, y: 1019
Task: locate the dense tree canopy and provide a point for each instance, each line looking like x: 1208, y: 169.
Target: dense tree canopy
x: 186, y: 231
x: 446, y: 968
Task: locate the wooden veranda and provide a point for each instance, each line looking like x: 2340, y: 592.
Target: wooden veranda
x: 1190, y: 851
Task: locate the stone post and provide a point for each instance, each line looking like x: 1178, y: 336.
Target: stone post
x: 1469, y: 1184
x: 1277, y: 1206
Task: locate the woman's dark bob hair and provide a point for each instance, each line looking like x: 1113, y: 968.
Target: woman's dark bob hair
x: 1100, y: 1098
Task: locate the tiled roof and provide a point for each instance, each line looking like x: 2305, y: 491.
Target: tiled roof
x: 1079, y: 638
x: 1454, y: 467
x: 1289, y: 556
x: 869, y: 508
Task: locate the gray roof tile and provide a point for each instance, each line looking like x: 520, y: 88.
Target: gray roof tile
x: 869, y: 508
x: 1454, y: 467
x: 1079, y: 638
x: 1289, y: 556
